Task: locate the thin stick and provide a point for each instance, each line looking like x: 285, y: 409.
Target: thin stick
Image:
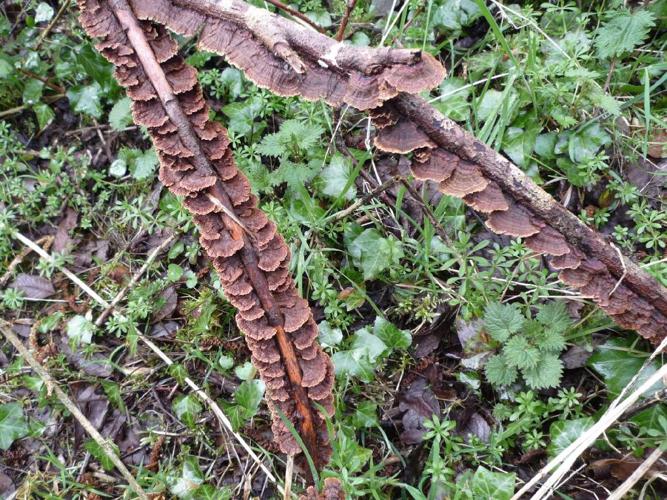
x: 627, y: 485
x: 217, y: 411
x: 135, y: 278
x: 44, y: 240
x: 340, y: 34
x: 569, y: 455
x: 364, y: 199
x: 53, y: 22
x: 289, y: 473
x: 53, y: 387
x: 295, y: 13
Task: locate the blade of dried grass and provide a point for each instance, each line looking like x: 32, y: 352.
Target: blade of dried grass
x: 52, y: 386
x: 566, y: 458
x: 215, y: 408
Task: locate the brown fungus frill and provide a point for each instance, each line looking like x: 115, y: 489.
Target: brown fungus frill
x: 251, y: 258
x: 290, y: 59
x: 457, y: 174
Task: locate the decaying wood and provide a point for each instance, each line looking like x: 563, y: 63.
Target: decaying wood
x: 298, y: 61
x: 251, y: 258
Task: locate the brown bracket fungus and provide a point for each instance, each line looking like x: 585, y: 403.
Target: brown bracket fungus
x: 251, y: 258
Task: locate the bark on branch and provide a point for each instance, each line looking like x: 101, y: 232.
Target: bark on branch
x: 290, y: 59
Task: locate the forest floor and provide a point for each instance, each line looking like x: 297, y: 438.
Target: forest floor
x: 462, y: 364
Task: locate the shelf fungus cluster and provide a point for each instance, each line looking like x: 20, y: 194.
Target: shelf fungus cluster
x: 251, y: 258
x: 290, y: 59
x: 577, y: 259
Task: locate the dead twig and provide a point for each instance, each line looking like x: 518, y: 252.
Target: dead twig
x: 364, y: 199
x: 340, y: 34
x: 53, y: 387
x: 133, y: 281
x: 53, y: 22
x: 295, y: 13
x: 645, y: 466
x: 215, y: 408
x: 45, y: 241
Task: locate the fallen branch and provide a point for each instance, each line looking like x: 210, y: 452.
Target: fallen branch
x: 53, y: 387
x: 296, y: 62
x: 251, y: 258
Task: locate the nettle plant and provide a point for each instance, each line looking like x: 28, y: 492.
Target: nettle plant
x: 253, y: 260
x: 527, y: 348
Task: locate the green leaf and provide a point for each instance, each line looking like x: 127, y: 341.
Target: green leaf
x: 80, y: 329
x: 44, y: 114
x: 373, y: 346
x: 118, y: 168
x: 190, y: 480
x: 242, y: 116
x: 502, y: 320
x: 225, y: 362
x: 120, y: 115
x: 365, y: 415
x: 249, y: 395
x: 144, y: 165
x: 337, y: 178
x: 623, y: 33
x: 86, y: 99
x: 98, y: 452
x: 174, y: 272
x: 391, y: 335
x: 546, y: 373
x: 554, y: 317
x: 499, y: 372
x: 187, y: 408
x: 490, y: 102
x: 246, y: 371
x: 564, y: 432
x: 373, y: 253
x: 353, y: 363
x: 329, y: 336
x: 586, y: 142
x: 453, y: 102
x: 617, y: 361
x: 43, y: 12
x: 520, y: 354
x: 32, y: 92
x: 495, y: 485
x: 13, y: 425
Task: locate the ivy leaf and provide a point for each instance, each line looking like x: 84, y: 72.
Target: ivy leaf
x: 373, y: 346
x: 391, y: 335
x: 43, y: 12
x: 337, y: 177
x: 32, y: 92
x: 499, y: 372
x: 247, y: 397
x: 586, y: 142
x: 13, y: 425
x: 246, y: 371
x: 547, y: 373
x: 564, y: 432
x: 502, y: 320
x: 617, y: 361
x: 187, y: 408
x: 623, y: 33
x: 44, y: 114
x: 86, y: 99
x: 373, y: 253
x: 353, y: 363
x: 144, y: 165
x: 496, y: 485
x: 453, y: 102
x: 120, y: 115
x: 329, y: 336
x: 189, y: 481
